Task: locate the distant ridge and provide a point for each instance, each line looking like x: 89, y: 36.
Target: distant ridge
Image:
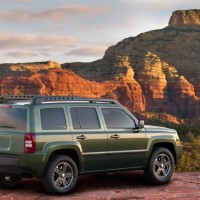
x: 157, y: 71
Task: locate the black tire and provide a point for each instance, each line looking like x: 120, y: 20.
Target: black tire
x: 8, y: 182
x: 160, y: 167
x: 61, y: 175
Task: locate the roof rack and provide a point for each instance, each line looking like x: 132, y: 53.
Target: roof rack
x: 4, y: 99
x: 48, y: 99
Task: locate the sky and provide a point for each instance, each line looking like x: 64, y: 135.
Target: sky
x: 77, y: 30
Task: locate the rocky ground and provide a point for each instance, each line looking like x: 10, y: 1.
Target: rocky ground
x: 121, y: 186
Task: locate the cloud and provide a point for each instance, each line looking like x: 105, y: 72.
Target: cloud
x: 21, y: 54
x: 24, y: 1
x: 47, y: 42
x: 24, y: 15
x: 162, y: 5
x: 95, y: 51
x: 26, y: 54
x: 45, y: 54
x: 133, y: 2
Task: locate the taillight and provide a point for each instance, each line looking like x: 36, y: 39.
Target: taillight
x: 29, y: 142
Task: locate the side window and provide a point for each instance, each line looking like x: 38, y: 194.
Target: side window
x: 53, y: 119
x: 75, y: 119
x: 84, y: 118
x: 117, y: 118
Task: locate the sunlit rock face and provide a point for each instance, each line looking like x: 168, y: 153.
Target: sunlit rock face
x: 185, y: 19
x: 49, y: 80
x: 157, y: 71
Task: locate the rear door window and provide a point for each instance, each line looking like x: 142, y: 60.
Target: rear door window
x: 84, y: 118
x: 53, y: 119
x: 13, y: 118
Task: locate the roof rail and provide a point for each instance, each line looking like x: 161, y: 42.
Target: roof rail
x: 43, y: 99
x: 47, y: 99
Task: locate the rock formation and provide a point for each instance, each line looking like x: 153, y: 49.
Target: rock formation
x: 165, y: 64
x: 57, y: 81
x: 185, y: 19
x: 156, y: 71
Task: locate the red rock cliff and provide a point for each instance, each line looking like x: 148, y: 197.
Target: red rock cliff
x: 157, y: 71
x: 185, y: 19
x: 57, y: 81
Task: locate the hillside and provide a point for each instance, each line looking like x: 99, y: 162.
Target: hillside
x: 165, y: 63
x: 157, y: 71
x: 50, y: 79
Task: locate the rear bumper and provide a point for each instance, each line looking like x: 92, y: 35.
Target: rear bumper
x: 22, y: 164
x: 9, y: 165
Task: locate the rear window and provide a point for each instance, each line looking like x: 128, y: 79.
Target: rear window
x: 13, y: 118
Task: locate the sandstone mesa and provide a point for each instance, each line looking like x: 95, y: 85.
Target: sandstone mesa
x: 156, y: 71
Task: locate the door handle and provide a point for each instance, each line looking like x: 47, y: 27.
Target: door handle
x: 114, y: 136
x: 81, y: 137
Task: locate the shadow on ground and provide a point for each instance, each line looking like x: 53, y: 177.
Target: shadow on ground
x: 120, y: 186
x: 94, y: 182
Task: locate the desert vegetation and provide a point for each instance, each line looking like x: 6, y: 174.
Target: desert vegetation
x: 190, y: 136
x: 190, y: 160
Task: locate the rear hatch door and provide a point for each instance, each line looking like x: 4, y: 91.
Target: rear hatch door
x: 13, y: 126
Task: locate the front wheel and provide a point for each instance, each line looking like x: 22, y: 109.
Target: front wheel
x: 61, y: 175
x: 9, y: 181
x: 161, y: 166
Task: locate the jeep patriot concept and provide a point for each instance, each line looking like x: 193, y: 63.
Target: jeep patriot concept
x: 58, y: 138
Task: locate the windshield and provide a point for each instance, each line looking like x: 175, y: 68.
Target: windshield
x: 13, y: 118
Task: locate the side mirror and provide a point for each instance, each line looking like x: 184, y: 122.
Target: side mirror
x: 140, y: 124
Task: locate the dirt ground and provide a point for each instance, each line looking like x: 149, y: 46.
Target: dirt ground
x: 121, y: 186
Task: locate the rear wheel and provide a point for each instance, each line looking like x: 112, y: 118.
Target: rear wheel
x: 9, y: 181
x: 161, y: 166
x: 61, y: 175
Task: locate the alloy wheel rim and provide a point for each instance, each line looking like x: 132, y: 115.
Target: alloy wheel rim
x: 162, y: 165
x: 62, y: 175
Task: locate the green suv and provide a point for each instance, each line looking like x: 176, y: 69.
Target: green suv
x: 57, y: 138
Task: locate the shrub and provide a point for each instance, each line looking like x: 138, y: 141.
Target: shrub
x: 190, y: 160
